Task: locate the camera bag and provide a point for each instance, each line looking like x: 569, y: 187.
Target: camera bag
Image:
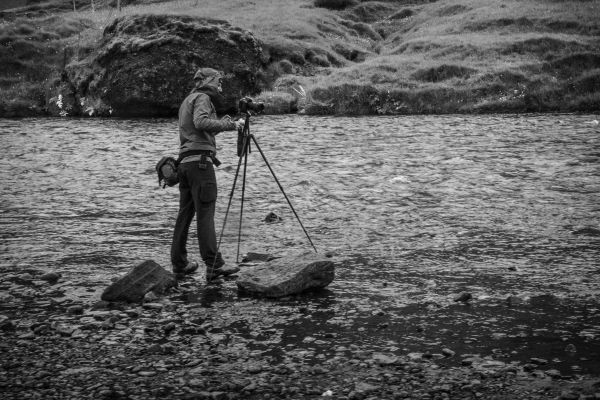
x: 166, y: 169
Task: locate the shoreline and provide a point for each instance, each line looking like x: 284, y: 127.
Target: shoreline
x: 188, y: 344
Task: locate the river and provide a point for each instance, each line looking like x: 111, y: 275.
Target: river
x: 417, y: 208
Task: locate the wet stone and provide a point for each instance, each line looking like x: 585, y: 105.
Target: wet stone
x: 553, y: 373
x: 76, y: 309
x: 571, y: 348
x: 51, y: 277
x: 383, y: 359
x: 7, y: 325
x: 144, y: 277
x: 447, y: 352
x: 463, y: 297
x: 250, y: 256
x: 538, y: 361
x: 287, y: 275
x: 272, y: 217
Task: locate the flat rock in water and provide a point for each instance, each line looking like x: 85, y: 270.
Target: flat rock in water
x: 140, y: 280
x: 287, y: 275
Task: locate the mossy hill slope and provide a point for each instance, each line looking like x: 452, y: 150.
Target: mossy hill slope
x: 373, y: 57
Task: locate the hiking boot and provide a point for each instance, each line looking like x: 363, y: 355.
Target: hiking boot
x: 213, y: 273
x: 189, y: 269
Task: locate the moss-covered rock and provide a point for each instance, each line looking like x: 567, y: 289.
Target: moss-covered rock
x: 145, y: 64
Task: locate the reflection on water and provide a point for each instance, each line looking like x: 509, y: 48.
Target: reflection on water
x: 419, y: 208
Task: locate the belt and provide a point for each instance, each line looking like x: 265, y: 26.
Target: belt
x: 196, y: 158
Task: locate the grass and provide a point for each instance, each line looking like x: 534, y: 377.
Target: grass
x: 457, y: 46
x: 367, y: 57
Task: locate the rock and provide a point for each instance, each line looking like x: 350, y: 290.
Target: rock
x: 170, y: 327
x: 553, y: 373
x: 538, y: 361
x: 571, y: 348
x: 151, y: 297
x: 76, y: 309
x: 153, y: 306
x: 51, y: 277
x: 384, y: 360
x: 448, y: 353
x: 145, y: 64
x: 140, y: 280
x: 7, y: 325
x: 62, y: 329
x: 257, y: 257
x: 463, y: 297
x: 287, y: 275
x: 272, y: 217
x: 364, y: 388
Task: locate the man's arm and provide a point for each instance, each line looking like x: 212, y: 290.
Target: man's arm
x: 202, y: 121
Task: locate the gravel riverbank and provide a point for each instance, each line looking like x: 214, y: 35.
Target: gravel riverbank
x: 196, y: 343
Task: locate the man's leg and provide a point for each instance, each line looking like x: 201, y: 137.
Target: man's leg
x: 185, y: 215
x: 205, y: 197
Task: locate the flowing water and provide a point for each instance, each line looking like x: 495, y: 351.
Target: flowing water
x: 417, y: 209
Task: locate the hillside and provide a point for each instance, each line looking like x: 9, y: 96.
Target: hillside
x: 370, y: 57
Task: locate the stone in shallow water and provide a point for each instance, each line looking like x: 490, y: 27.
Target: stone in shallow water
x: 257, y: 257
x: 140, y: 280
x: 287, y: 275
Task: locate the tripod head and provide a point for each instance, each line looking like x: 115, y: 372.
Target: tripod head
x: 247, y: 107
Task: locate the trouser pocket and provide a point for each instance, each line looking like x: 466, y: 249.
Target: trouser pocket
x: 208, y: 192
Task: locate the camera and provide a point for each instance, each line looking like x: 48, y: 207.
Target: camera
x: 247, y: 104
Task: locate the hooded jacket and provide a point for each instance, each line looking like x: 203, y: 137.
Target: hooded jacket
x: 198, y: 122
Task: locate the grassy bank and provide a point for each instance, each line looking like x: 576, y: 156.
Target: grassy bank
x: 371, y: 57
x: 475, y: 56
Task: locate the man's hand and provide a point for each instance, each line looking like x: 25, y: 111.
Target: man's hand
x: 239, y: 124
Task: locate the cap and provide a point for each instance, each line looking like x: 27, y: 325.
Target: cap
x: 204, y: 73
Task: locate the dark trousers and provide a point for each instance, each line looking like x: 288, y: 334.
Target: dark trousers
x: 197, y: 195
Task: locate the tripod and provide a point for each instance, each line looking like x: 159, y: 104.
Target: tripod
x: 245, y: 138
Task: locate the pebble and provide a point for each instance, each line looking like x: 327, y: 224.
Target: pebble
x: 153, y: 306
x: 448, y: 353
x: 76, y: 309
x: 538, y: 361
x: 51, y: 277
x: 383, y: 359
x: 7, y: 325
x: 553, y: 373
x: 463, y: 297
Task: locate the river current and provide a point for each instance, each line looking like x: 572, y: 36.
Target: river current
x: 417, y: 208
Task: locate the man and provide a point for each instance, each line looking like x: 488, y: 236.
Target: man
x: 198, y: 126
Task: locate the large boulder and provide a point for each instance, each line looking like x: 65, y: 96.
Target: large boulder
x: 287, y: 275
x: 145, y: 64
x: 143, y: 278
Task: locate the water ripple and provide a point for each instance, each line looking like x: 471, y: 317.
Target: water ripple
x: 424, y: 193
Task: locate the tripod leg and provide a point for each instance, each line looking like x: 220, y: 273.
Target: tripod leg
x: 237, y: 172
x: 283, y: 191
x: 237, y: 256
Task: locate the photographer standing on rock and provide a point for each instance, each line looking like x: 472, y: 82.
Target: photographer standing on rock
x: 198, y: 126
